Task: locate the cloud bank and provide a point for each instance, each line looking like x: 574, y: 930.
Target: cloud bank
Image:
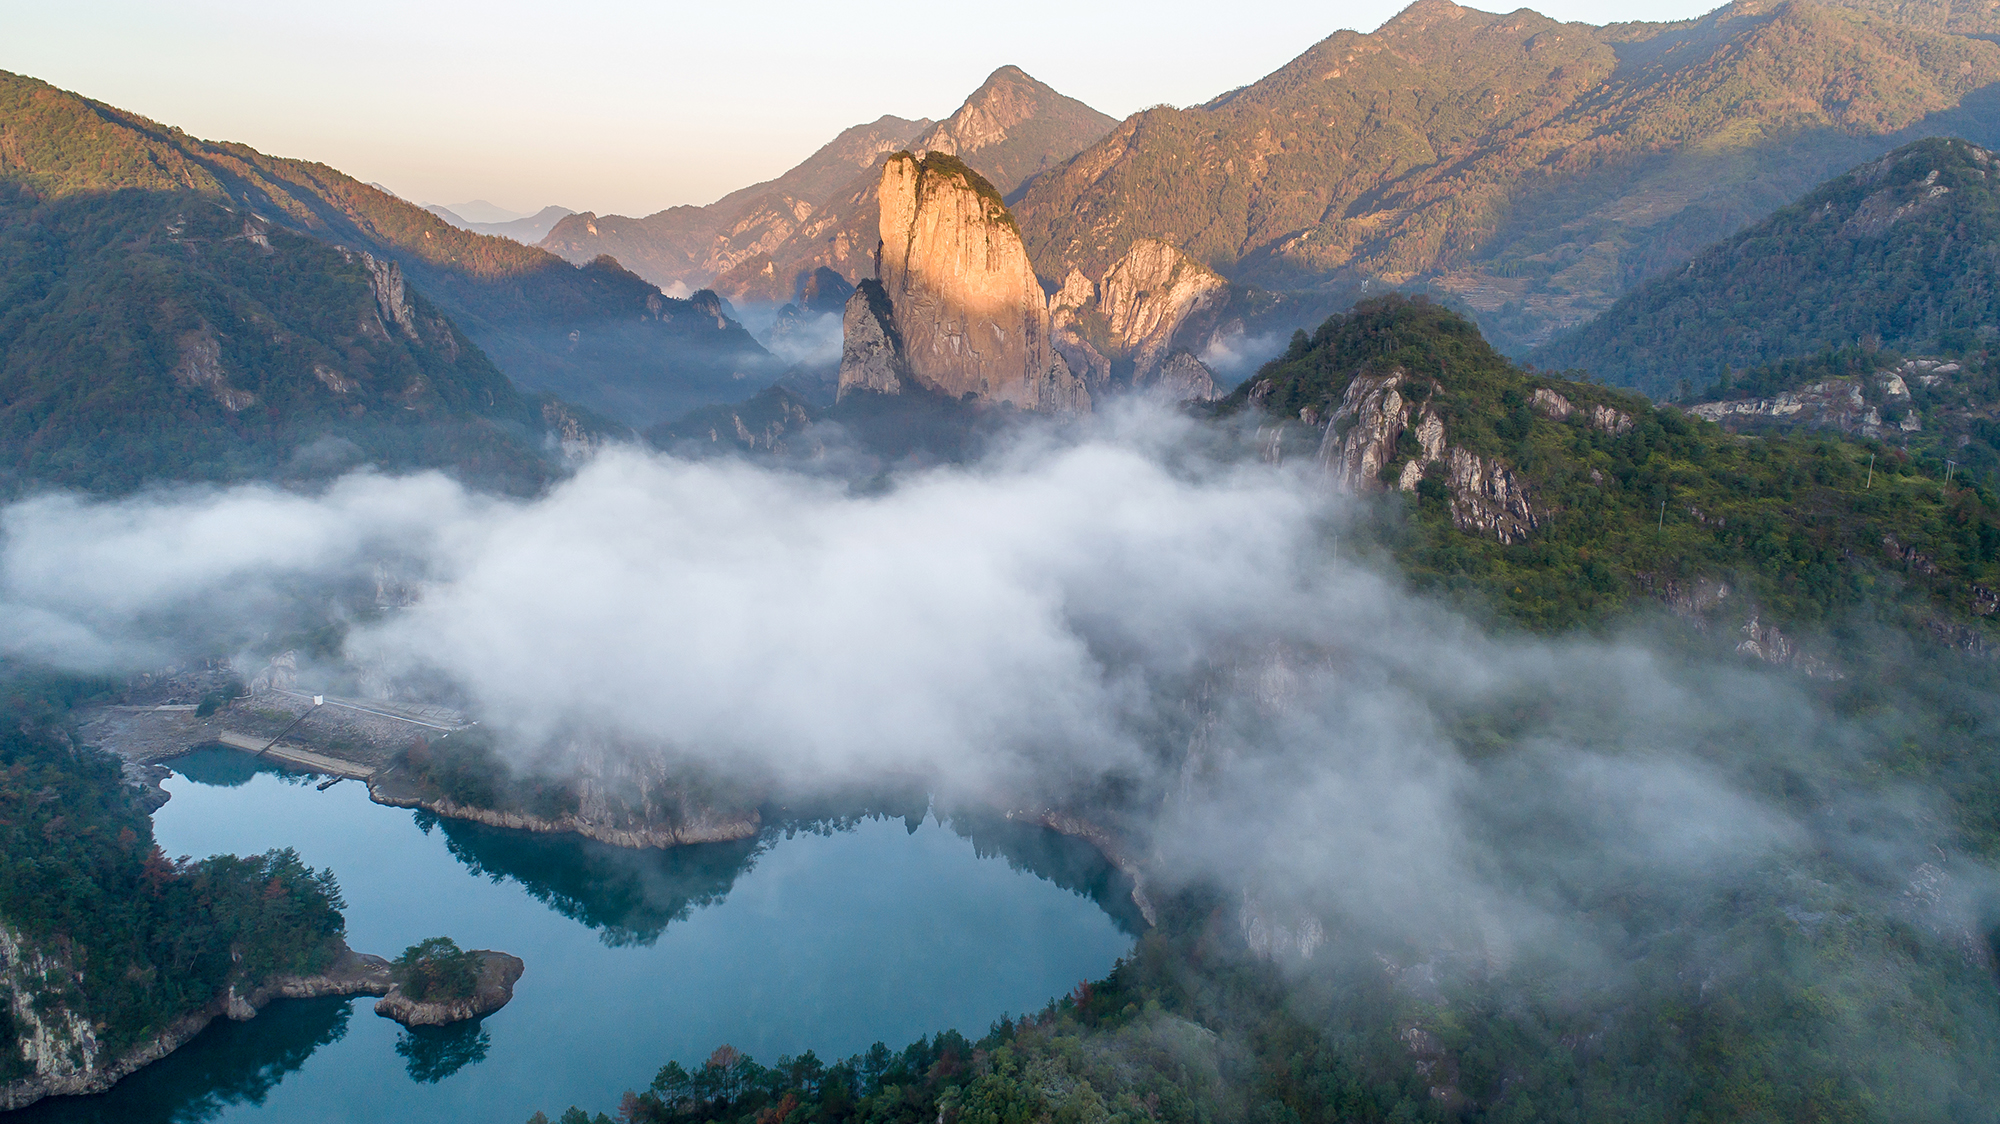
x: 1114, y: 618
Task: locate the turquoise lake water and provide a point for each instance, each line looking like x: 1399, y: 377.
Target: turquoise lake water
x: 826, y: 940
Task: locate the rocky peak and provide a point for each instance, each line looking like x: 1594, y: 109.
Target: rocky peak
x: 956, y: 308
x: 1007, y: 98
x: 1014, y: 127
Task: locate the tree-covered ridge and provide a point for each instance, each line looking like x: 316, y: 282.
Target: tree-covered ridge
x: 1533, y: 169
x: 148, y: 335
x: 1900, y: 253
x: 597, y: 332
x: 1803, y: 530
x: 149, y: 938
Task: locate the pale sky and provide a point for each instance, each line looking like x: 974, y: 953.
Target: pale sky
x: 617, y: 106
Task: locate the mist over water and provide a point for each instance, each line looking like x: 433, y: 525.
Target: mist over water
x: 1118, y: 619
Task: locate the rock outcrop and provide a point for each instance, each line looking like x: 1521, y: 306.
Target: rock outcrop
x: 1879, y: 405
x: 1364, y: 436
x: 498, y: 972
x: 871, y: 350
x: 1128, y: 323
x: 964, y: 313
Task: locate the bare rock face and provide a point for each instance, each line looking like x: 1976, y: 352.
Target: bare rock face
x: 1364, y: 437
x: 965, y: 314
x: 498, y: 972
x: 1136, y: 312
x: 1549, y: 404
x: 871, y: 351
x: 1180, y: 378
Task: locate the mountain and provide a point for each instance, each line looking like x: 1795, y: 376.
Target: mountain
x: 596, y: 334
x: 475, y: 210
x: 152, y: 336
x: 1529, y: 169
x: 954, y: 309
x: 1560, y: 502
x: 759, y: 244
x: 691, y: 246
x: 1013, y: 128
x: 1898, y: 253
x: 525, y: 229
x: 1968, y: 17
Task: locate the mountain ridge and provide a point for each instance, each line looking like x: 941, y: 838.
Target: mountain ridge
x: 1529, y: 169
x: 596, y: 333
x: 760, y: 243
x: 1896, y: 253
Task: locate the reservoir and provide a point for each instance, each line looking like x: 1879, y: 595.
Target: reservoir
x: 828, y: 937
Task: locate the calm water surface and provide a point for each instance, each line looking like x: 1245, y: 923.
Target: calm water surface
x: 885, y: 930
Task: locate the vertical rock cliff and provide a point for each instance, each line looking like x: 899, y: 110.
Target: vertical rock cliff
x: 1125, y: 327
x: 955, y: 309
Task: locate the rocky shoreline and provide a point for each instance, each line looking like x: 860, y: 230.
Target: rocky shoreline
x: 498, y: 972
x: 54, y: 1051
x: 707, y: 828
x: 351, y: 973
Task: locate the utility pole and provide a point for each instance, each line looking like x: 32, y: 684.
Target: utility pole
x: 1663, y: 517
x: 1871, y: 473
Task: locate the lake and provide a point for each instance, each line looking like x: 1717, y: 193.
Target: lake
x: 827, y: 937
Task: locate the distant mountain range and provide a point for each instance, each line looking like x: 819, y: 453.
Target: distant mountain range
x: 525, y: 229
x: 596, y: 334
x: 761, y: 243
x: 1902, y: 253
x: 1529, y: 171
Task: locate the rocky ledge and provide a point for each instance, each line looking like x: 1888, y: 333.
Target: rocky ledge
x: 497, y: 975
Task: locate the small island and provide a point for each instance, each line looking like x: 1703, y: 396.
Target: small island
x: 436, y: 983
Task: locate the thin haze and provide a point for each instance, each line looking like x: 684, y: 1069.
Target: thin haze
x: 617, y: 106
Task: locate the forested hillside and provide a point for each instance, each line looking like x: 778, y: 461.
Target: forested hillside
x: 1901, y: 253
x: 1531, y: 169
x: 597, y: 334
x: 1622, y: 504
x: 149, y: 336
x: 116, y: 939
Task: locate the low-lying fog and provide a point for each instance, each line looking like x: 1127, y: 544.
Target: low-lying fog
x: 1112, y: 616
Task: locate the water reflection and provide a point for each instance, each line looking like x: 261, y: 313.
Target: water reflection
x: 1073, y: 864
x: 222, y: 767
x: 226, y: 1065
x: 433, y: 1053
x: 808, y: 937
x: 629, y: 896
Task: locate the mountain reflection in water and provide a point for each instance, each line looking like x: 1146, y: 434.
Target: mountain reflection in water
x: 630, y: 896
x: 834, y: 928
